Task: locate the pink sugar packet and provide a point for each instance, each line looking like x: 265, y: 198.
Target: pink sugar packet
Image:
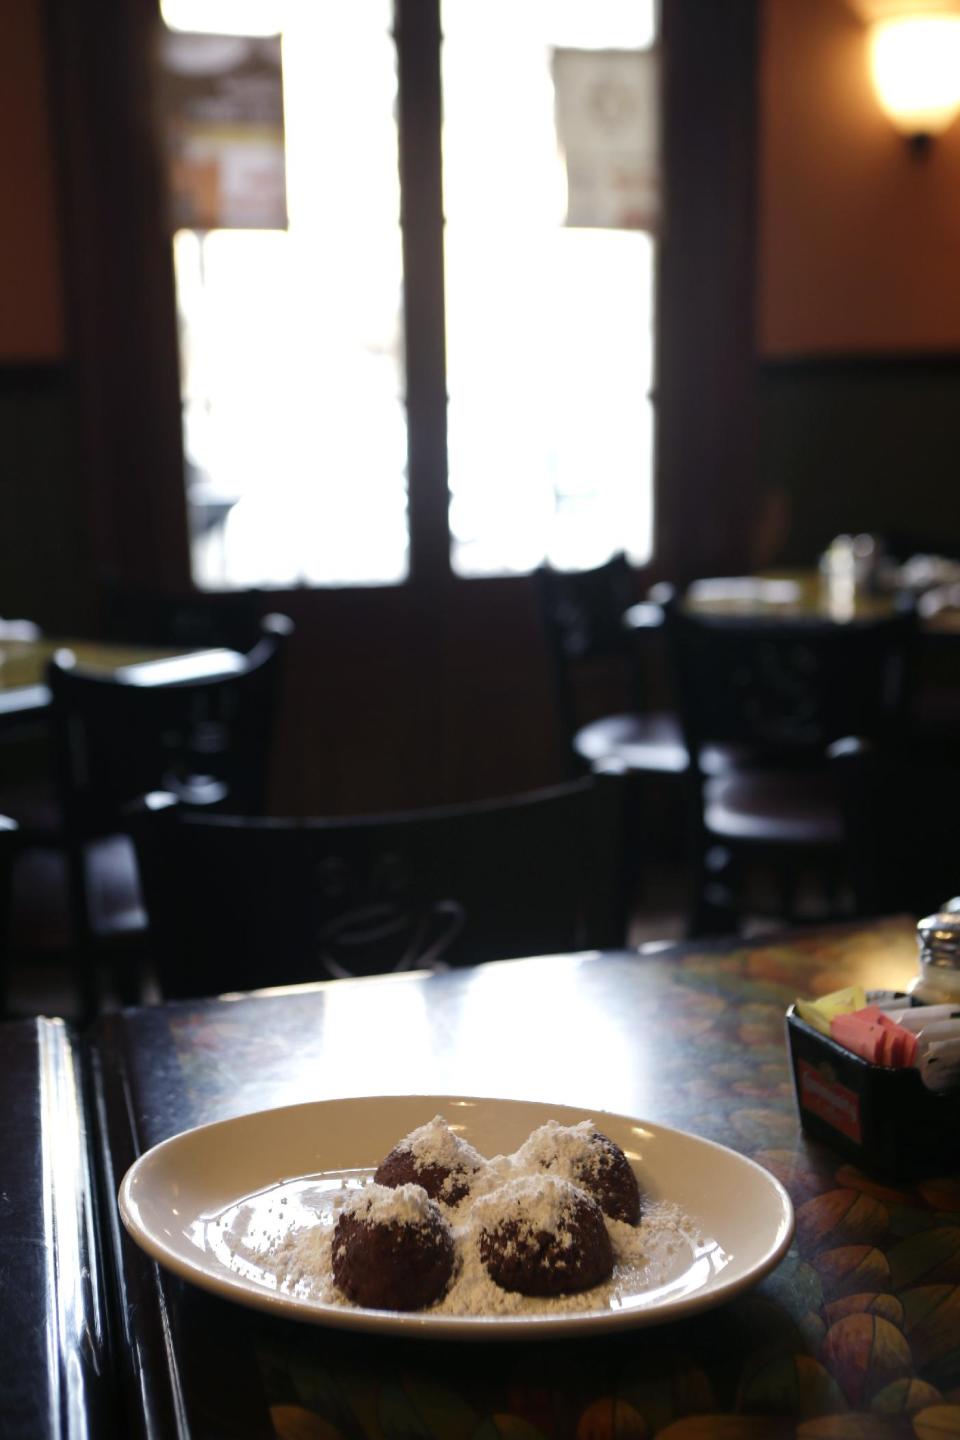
x: 871, y: 1034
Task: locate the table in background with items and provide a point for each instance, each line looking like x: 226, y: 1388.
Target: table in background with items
x: 25, y: 652
x: 836, y: 590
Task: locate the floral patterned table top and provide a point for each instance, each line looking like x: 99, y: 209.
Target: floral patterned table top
x: 855, y: 1334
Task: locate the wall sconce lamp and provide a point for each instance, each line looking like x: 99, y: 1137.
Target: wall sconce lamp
x: 915, y: 65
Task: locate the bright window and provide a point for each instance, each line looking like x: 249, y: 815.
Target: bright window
x: 292, y: 377
x: 291, y: 340
x: 549, y: 326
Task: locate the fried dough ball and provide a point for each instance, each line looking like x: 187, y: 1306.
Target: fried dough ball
x: 392, y: 1249
x: 436, y: 1158
x: 541, y: 1235
x: 584, y: 1155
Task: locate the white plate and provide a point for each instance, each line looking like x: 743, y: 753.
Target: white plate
x: 182, y: 1198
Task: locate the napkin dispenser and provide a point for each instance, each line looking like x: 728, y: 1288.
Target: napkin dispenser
x: 881, y: 1118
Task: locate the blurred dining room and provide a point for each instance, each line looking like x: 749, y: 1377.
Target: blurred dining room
x: 479, y: 592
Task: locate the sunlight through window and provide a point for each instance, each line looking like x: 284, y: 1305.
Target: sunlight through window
x: 549, y: 325
x: 291, y: 339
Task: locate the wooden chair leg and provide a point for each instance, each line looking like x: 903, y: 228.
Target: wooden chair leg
x: 88, y: 983
x: 712, y: 911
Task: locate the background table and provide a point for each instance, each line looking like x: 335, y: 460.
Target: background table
x: 857, y: 1333
x: 24, y: 694
x: 790, y: 595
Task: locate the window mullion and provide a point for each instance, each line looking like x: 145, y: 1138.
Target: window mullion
x: 417, y: 29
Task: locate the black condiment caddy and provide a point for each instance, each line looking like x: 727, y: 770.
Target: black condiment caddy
x: 883, y: 1119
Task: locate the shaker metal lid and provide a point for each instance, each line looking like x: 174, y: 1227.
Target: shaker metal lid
x: 941, y: 932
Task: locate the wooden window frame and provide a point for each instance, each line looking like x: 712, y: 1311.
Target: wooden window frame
x: 122, y: 311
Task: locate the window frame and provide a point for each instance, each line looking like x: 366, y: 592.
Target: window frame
x: 122, y: 310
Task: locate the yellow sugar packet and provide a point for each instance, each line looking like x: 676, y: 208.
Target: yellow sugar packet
x: 819, y: 1013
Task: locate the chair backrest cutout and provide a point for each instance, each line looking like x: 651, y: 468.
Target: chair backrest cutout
x: 581, y: 614
x: 239, y: 903
x: 786, y: 686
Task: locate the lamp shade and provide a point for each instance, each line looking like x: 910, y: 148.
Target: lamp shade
x: 915, y: 63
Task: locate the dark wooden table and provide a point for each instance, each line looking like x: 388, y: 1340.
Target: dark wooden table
x: 25, y: 695
x: 791, y: 595
x: 856, y: 1333
x: 54, y: 1356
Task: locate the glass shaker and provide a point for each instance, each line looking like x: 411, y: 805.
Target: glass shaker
x: 938, y: 937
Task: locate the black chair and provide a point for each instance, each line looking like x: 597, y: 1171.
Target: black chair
x: 138, y: 615
x: 901, y: 803
x: 204, y: 733
x: 582, y: 614
x: 238, y: 903
x: 786, y: 688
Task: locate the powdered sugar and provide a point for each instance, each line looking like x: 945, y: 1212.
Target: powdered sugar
x: 436, y: 1144
x: 437, y: 1158
x: 298, y: 1261
x: 534, y: 1202
x: 564, y: 1149
x: 400, y: 1205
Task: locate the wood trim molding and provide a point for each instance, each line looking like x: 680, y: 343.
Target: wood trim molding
x: 707, y: 485
x: 121, y: 310
x: 417, y: 29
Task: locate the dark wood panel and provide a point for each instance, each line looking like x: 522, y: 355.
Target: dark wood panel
x: 401, y: 698
x: 862, y: 444
x: 706, y: 378
x: 121, y: 311
x: 46, y: 565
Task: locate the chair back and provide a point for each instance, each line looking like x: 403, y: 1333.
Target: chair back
x: 239, y: 902
x: 900, y: 807
x: 199, y: 726
x: 787, y: 687
x: 581, y: 613
x: 138, y: 615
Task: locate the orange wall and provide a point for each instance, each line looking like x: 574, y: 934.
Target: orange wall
x: 859, y: 239
x: 31, y: 310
